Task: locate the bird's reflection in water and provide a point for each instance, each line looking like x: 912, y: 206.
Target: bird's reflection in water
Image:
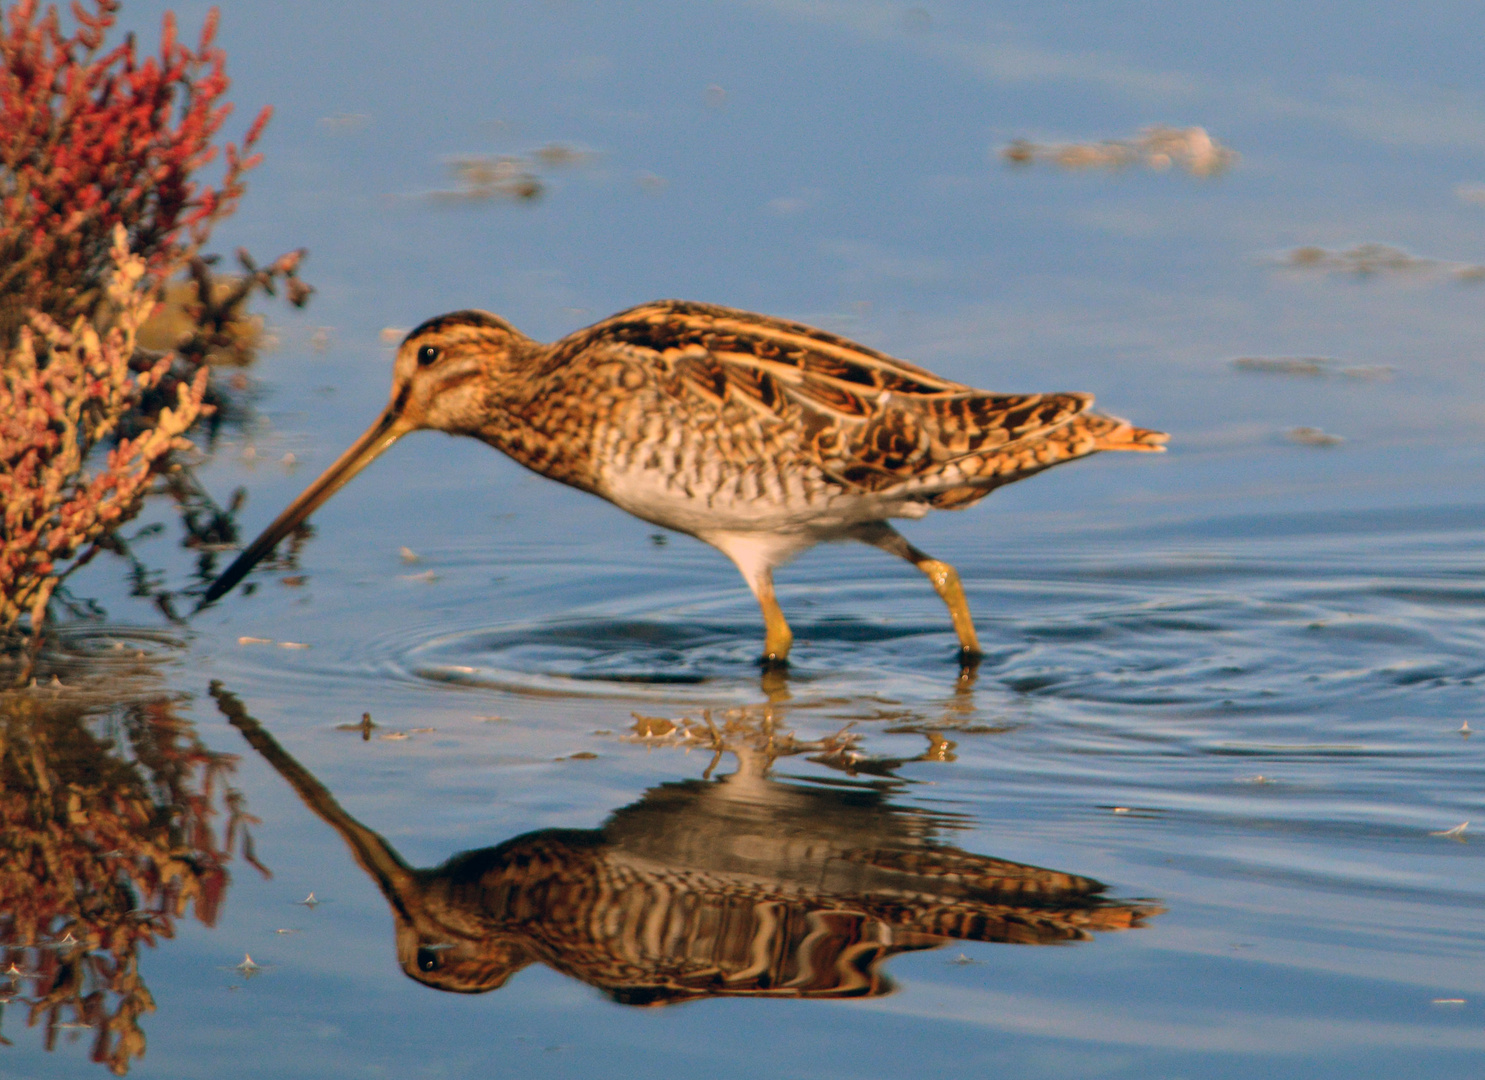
x: 740, y: 885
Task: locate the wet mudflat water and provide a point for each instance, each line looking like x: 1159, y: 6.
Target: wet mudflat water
x: 1198, y: 811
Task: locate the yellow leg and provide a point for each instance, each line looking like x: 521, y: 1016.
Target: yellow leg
x: 755, y: 557
x: 944, y: 577
x: 946, y: 583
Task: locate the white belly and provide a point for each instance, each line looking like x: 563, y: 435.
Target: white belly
x: 755, y: 500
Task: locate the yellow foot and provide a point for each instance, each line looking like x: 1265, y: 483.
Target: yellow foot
x: 779, y: 638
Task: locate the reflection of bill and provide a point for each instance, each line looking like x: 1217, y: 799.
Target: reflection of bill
x: 743, y: 885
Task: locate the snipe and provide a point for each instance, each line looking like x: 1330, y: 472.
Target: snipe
x: 760, y: 436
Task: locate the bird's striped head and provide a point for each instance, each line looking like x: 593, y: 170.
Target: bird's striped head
x: 446, y: 369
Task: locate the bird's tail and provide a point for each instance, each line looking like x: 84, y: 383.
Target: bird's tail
x: 1112, y: 433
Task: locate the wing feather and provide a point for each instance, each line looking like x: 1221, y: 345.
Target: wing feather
x: 866, y: 419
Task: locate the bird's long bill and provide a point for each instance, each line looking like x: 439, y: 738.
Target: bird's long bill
x: 388, y: 428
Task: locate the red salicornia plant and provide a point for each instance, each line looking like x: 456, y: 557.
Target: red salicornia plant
x: 63, y: 392
x: 92, y: 139
x: 99, y: 205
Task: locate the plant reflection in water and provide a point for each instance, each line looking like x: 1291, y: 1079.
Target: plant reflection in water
x: 740, y: 885
x: 115, y: 821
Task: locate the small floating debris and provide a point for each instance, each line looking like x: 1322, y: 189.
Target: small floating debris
x: 408, y: 555
x: 1258, y: 778
x: 1448, y: 1001
x: 427, y: 576
x: 652, y: 726
x: 245, y: 640
x: 1310, y: 367
x: 1132, y: 811
x: 1313, y: 436
x: 1456, y: 833
x: 964, y: 961
x: 391, y: 335
x: 365, y: 726
x: 310, y: 902
x: 421, y: 731
x: 289, y: 930
x: 581, y: 755
x: 1465, y: 729
x: 395, y: 736
x: 562, y: 156
x: 344, y: 123
x: 1369, y: 260
x: 651, y: 183
x: 248, y: 968
x: 1155, y: 147
x: 483, y: 179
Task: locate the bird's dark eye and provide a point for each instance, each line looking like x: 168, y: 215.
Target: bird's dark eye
x: 427, y: 958
x: 426, y: 355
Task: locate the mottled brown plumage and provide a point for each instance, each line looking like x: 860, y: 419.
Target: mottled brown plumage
x: 760, y: 436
